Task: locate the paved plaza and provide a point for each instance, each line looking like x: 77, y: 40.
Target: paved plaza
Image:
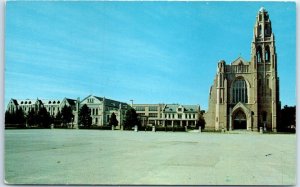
x: 127, y: 157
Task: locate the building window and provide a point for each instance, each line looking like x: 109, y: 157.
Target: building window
x: 259, y: 55
x: 239, y: 91
x: 140, y: 108
x: 267, y: 30
x: 179, y: 116
x: 152, y: 108
x: 259, y: 30
x: 96, y: 111
x: 267, y: 54
x: 153, y: 115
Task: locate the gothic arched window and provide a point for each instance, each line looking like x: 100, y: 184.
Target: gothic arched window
x: 259, y: 30
x: 267, y: 30
x: 258, y: 55
x: 239, y: 91
x: 267, y: 54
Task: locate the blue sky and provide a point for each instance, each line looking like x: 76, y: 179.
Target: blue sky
x: 151, y: 52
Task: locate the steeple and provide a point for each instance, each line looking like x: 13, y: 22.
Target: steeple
x: 264, y: 63
x: 263, y: 45
x: 263, y: 26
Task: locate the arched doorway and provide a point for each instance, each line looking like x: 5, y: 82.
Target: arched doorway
x: 239, y: 120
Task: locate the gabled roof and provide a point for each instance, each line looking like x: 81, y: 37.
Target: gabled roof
x: 71, y: 101
x: 186, y: 108
x: 86, y: 98
x: 171, y: 108
x: 98, y: 98
x: 15, y: 101
x: 107, y: 102
x: 239, y: 61
x: 50, y: 101
x: 191, y: 108
x: 26, y: 101
x: 113, y: 103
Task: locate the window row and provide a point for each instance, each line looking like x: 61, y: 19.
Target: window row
x: 25, y: 102
x: 140, y: 108
x: 267, y: 29
x: 179, y: 116
x: 91, y: 100
x: 94, y: 111
x: 153, y: 108
x: 259, y: 54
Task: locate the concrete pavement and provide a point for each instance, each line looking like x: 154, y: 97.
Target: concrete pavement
x: 126, y: 157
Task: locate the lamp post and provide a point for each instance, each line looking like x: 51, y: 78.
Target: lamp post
x: 131, y: 102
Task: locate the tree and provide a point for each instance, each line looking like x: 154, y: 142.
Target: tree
x: 31, y: 117
x: 131, y: 119
x: 58, y: 119
x: 66, y: 115
x: 84, y: 116
x: 113, y: 120
x: 43, y: 118
x: 8, y: 117
x: 201, y: 121
x: 288, y: 118
x: 20, y: 117
x: 16, y: 118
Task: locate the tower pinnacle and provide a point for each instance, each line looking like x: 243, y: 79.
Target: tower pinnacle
x: 262, y: 9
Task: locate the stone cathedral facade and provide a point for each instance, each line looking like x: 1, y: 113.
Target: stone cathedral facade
x: 245, y: 94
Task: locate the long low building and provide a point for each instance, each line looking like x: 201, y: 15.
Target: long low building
x: 168, y: 114
x: 52, y: 106
x: 102, y: 108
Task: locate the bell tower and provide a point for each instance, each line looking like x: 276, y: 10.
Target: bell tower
x: 264, y: 65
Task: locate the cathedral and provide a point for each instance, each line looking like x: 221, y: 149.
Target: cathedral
x: 245, y: 94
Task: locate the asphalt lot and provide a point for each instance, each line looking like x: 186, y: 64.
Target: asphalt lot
x: 126, y: 157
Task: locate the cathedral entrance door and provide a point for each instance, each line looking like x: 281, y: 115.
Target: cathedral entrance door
x: 239, y: 120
